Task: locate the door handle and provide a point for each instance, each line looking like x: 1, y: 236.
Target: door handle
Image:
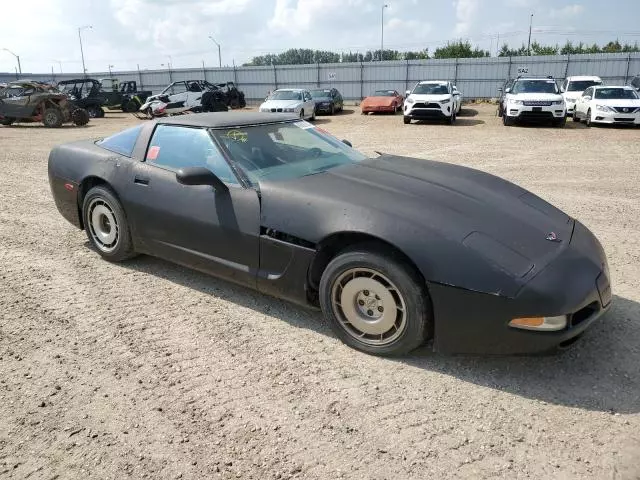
x: 141, y: 180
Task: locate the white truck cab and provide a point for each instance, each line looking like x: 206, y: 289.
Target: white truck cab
x: 573, y: 86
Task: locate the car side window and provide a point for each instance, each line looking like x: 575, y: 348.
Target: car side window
x: 636, y: 82
x: 178, y: 88
x: 175, y: 147
x: 564, y: 86
x: 588, y: 92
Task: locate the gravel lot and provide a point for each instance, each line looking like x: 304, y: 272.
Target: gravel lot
x: 148, y: 370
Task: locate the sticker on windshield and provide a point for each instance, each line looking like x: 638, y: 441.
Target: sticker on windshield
x: 303, y: 125
x: 237, y: 136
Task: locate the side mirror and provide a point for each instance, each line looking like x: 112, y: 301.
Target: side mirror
x: 507, y: 90
x: 347, y: 142
x: 200, y: 176
x: 407, y: 93
x: 586, y: 97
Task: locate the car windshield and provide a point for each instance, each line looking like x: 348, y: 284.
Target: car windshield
x: 285, y: 95
x: 615, y: 94
x: 535, y: 86
x: 384, y: 93
x: 284, y: 151
x: 431, y: 89
x: 581, y: 85
x: 320, y: 93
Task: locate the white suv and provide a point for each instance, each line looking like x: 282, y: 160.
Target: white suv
x: 572, y: 89
x: 534, y: 98
x: 432, y: 99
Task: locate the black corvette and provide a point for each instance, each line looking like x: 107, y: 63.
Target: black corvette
x: 394, y: 250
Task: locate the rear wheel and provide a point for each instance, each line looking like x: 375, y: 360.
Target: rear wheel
x: 106, y: 225
x: 375, y: 303
x: 6, y: 121
x: 130, y: 106
x: 52, y: 117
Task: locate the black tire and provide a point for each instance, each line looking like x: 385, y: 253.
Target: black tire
x: 52, y: 117
x: 507, y: 121
x: 452, y: 119
x: 412, y: 325
x: 243, y: 102
x: 333, y: 109
x: 100, y: 112
x: 406, y: 120
x: 80, y: 117
x: 302, y: 113
x: 6, y: 121
x: 499, y: 110
x: 130, y: 106
x: 575, y: 117
x: 94, y: 111
x: 587, y: 120
x: 560, y: 123
x: 121, y: 248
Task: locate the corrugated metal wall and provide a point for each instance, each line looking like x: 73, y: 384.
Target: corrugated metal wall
x: 475, y: 77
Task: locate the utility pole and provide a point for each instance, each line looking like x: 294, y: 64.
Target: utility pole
x: 17, y: 58
x: 84, y: 68
x: 219, y: 56
x: 59, y: 62
x: 382, y: 29
x: 110, y: 74
x: 529, y: 44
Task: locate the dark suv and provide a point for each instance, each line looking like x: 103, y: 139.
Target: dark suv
x: 635, y: 82
x: 85, y: 93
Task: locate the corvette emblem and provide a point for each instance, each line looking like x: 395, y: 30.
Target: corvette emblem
x: 552, y: 237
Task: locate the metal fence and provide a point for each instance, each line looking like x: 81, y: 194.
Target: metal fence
x: 475, y: 77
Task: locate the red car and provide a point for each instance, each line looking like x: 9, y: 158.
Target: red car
x: 389, y: 101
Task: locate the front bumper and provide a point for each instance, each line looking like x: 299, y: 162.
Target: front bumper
x: 324, y: 107
x: 615, y: 117
x: 571, y: 106
x: 444, y: 111
x: 576, y: 284
x: 543, y: 113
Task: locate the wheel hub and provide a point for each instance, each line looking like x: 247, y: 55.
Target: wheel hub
x: 103, y: 225
x: 369, y: 306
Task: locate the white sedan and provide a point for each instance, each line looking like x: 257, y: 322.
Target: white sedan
x: 619, y: 105
x: 290, y: 101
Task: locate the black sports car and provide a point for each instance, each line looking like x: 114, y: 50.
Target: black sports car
x: 394, y: 250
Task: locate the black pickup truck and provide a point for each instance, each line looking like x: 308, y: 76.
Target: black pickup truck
x: 123, y: 96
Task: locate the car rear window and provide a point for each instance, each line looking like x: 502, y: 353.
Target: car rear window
x: 122, y: 142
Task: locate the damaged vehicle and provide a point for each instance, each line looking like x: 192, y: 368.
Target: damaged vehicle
x: 123, y: 96
x: 277, y: 204
x: 34, y: 102
x: 85, y: 93
x: 189, y: 96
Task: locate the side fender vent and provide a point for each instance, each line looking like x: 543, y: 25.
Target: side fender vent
x: 286, y: 238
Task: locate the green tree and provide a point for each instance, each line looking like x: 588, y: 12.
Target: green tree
x: 459, y: 49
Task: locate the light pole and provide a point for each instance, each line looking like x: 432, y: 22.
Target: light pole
x: 382, y: 29
x: 219, y: 56
x: 529, y: 44
x: 84, y: 69
x: 59, y: 62
x: 17, y: 58
x: 110, y: 74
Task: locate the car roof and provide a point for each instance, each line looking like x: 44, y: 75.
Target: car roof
x: 227, y: 119
x: 584, y: 77
x: 441, y: 82
x: 289, y: 90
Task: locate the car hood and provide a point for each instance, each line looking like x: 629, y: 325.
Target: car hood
x: 573, y: 96
x: 429, y: 98
x: 541, y: 97
x: 322, y: 99
x: 281, y: 103
x: 378, y: 101
x: 618, y: 103
x: 510, y: 228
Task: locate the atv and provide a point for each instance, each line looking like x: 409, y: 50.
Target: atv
x: 190, y: 96
x: 30, y: 101
x: 85, y: 93
x: 124, y: 96
x: 233, y: 97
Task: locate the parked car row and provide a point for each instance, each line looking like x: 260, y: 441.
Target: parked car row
x: 584, y: 98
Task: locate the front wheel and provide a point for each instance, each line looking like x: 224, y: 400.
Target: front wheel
x: 94, y: 111
x: 106, y: 225
x: 560, y: 123
x: 406, y: 120
x: 52, y: 117
x: 575, y: 117
x: 507, y: 121
x: 375, y: 303
x: 6, y: 121
x: 452, y: 119
x: 587, y: 120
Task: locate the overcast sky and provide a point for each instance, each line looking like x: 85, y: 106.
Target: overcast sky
x: 125, y: 33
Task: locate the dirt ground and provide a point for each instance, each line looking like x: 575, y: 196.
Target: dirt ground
x: 148, y: 370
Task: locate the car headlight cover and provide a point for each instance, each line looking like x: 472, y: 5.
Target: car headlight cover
x: 604, y: 108
x: 557, y: 102
x: 547, y: 324
x: 289, y: 109
x: 446, y: 100
x: 516, y: 102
